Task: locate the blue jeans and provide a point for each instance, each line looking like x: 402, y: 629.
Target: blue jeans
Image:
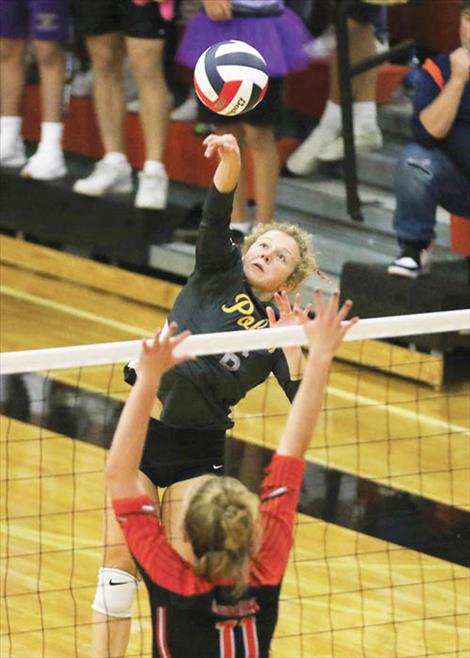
x: 424, y: 179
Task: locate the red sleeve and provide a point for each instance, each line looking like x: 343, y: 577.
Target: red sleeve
x: 147, y: 542
x: 279, y: 497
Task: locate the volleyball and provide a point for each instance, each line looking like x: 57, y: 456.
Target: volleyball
x: 231, y: 78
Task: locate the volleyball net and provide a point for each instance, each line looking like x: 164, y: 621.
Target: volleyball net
x: 379, y: 566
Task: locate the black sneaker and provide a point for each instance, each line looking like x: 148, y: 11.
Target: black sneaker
x: 414, y: 261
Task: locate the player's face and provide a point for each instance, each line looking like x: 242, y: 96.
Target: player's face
x: 270, y: 261
x: 465, y: 29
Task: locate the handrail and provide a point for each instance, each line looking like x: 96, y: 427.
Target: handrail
x: 346, y: 71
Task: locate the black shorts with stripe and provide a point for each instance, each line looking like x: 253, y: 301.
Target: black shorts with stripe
x: 172, y: 454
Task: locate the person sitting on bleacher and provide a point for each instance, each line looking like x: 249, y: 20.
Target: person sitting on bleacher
x: 435, y: 169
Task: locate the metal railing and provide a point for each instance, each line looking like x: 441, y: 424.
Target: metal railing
x: 346, y: 71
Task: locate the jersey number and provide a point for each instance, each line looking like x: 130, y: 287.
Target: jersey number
x: 227, y: 630
x: 232, y: 361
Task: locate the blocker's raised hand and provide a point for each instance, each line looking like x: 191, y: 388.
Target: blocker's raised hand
x: 157, y: 355
x: 326, y: 332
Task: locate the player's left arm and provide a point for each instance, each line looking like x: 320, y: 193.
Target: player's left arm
x: 122, y: 469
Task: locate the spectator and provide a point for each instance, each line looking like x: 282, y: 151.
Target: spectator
x: 47, y: 24
x: 434, y: 169
x: 325, y: 142
x: 282, y: 39
x: 108, y: 27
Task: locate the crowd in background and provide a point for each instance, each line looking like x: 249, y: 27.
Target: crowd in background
x: 123, y: 53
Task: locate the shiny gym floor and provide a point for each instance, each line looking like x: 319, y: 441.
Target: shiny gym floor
x: 379, y: 567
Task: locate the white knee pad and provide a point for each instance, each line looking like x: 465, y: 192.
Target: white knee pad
x: 115, y: 593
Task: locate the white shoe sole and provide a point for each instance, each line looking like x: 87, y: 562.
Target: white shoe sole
x: 59, y: 173
x: 394, y: 270
x: 149, y: 206
x: 123, y: 188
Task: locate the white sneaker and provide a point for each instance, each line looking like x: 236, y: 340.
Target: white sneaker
x: 187, y: 111
x: 364, y: 143
x: 304, y: 160
x: 324, y: 45
x: 82, y: 83
x: 12, y: 153
x: 412, y: 262
x: 106, y: 177
x: 152, y: 193
x: 45, y: 165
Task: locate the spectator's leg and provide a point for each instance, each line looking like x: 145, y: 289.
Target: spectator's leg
x: 325, y: 142
x: 146, y: 60
x: 51, y: 62
x: 106, y: 52
x: 48, y: 161
x: 12, y: 76
x: 424, y: 179
x: 12, y: 81
x: 113, y: 173
x: 367, y: 135
x: 260, y: 140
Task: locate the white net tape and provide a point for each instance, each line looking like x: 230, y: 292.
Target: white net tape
x: 231, y: 341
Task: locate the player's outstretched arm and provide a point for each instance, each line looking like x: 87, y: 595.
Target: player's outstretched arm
x: 325, y: 334
x: 228, y: 171
x: 121, y: 473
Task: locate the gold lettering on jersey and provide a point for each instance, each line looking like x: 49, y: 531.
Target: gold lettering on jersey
x: 245, y: 306
x: 248, y: 322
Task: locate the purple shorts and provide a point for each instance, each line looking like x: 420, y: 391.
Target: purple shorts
x: 45, y: 20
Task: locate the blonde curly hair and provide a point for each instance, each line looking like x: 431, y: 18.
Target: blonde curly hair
x: 307, y: 262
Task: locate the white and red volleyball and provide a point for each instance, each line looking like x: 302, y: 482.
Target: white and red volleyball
x: 231, y: 78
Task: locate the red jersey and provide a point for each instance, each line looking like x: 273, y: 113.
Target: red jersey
x: 196, y: 618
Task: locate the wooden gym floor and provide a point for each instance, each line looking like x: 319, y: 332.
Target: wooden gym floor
x: 379, y: 567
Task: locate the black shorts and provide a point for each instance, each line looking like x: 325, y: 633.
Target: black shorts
x: 173, y: 454
x: 267, y: 113
x: 363, y: 13
x: 96, y: 17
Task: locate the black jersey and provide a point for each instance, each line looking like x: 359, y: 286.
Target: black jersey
x: 217, y: 298
x: 194, y: 617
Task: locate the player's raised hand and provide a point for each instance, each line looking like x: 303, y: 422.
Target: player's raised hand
x: 326, y: 332
x: 225, y: 145
x: 228, y: 172
x: 157, y: 355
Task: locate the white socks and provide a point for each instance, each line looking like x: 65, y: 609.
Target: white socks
x: 330, y: 122
x: 51, y: 138
x: 154, y: 167
x: 364, y: 115
x: 10, y: 127
x: 115, y: 158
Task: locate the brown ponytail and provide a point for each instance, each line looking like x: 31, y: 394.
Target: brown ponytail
x: 220, y: 522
